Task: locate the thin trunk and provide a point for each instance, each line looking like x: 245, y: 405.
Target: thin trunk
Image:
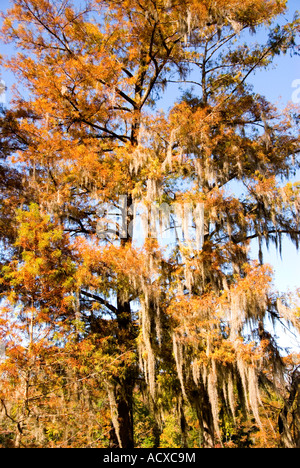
x: 183, y: 423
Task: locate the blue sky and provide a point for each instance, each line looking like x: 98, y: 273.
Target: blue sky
x: 280, y: 84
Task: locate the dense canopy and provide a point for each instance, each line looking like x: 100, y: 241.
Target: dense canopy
x: 160, y: 338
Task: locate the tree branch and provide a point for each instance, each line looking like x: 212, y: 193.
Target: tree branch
x: 237, y: 239
x: 120, y: 93
x: 102, y: 301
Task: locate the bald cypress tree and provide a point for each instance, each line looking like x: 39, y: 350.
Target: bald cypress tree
x: 212, y: 172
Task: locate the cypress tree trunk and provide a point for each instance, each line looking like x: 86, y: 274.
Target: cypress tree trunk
x: 125, y: 384
x: 124, y: 397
